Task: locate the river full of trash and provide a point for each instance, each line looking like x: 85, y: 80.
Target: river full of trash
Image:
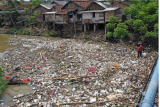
x: 74, y: 73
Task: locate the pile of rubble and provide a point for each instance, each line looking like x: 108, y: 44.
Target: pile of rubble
x: 70, y: 72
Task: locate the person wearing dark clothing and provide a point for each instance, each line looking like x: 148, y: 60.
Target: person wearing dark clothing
x: 140, y: 51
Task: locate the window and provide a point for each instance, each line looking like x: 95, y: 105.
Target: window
x: 93, y: 14
x: 79, y: 16
x: 70, y: 16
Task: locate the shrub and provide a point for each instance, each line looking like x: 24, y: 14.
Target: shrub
x: 51, y: 33
x: 47, y: 35
x: 110, y: 27
x: 11, y: 31
x: 109, y: 34
x: 24, y: 31
x: 85, y: 36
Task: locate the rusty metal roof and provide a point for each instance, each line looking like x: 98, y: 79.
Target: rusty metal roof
x: 83, y: 4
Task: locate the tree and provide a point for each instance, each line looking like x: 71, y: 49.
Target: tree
x: 111, y: 2
x: 32, y: 5
x: 112, y: 19
x: 121, y: 31
x: 11, y: 13
x: 144, y: 16
x: 109, y: 34
x: 111, y: 26
x: 129, y: 23
x: 137, y: 24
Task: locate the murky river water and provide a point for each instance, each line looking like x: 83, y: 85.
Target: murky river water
x: 14, y: 90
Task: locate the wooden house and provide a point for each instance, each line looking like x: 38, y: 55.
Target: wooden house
x: 66, y: 16
x: 50, y: 16
x: 120, y: 13
x: 93, y: 16
x: 43, y: 8
x: 72, y: 16
x: 112, y: 11
x: 71, y: 13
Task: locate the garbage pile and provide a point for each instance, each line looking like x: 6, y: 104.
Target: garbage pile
x: 70, y: 72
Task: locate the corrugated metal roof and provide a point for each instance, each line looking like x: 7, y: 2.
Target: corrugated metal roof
x: 111, y: 8
x: 59, y: 2
x: 101, y: 4
x: 92, y: 11
x: 47, y: 6
x: 50, y: 12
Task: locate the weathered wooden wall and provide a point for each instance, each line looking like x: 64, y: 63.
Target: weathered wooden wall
x: 122, y: 6
x: 88, y: 17
x: 61, y: 19
x: 121, y: 12
x: 41, y: 9
x: 79, y: 27
x: 73, y: 19
x: 108, y: 14
x: 49, y: 17
x: 54, y: 9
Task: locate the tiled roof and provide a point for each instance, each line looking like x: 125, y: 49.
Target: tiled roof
x: 59, y: 7
x: 21, y: 7
x: 60, y: 2
x: 65, y: 11
x: 3, y: 7
x: 83, y: 4
x: 27, y: 2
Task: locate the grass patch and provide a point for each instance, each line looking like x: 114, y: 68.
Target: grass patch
x: 3, y: 83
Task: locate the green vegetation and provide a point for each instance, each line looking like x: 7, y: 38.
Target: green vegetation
x: 111, y: 26
x: 51, y: 33
x: 3, y: 83
x: 143, y: 24
x: 121, y: 31
x: 85, y: 36
x: 144, y: 17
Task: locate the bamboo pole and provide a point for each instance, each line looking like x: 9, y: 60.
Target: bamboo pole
x: 9, y: 94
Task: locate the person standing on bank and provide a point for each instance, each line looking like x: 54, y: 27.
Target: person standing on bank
x: 140, y: 51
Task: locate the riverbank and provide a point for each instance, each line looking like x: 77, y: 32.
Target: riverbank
x: 99, y: 74
x: 3, y: 83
